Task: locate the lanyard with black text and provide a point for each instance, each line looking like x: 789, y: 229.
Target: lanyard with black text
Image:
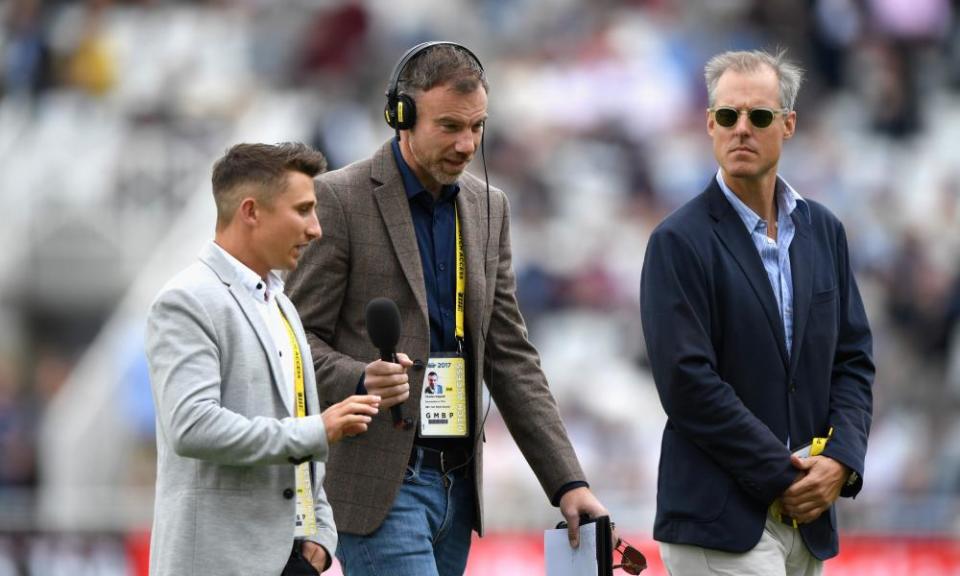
x: 305, y: 523
x: 443, y: 402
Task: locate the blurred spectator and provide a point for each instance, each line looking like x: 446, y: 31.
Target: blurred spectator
x: 953, y: 343
x: 92, y: 65
x: 26, y: 60
x: 18, y: 419
x: 334, y: 42
x: 837, y: 27
x: 906, y: 30
x: 917, y: 301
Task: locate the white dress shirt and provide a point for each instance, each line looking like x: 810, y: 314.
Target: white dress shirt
x: 264, y: 293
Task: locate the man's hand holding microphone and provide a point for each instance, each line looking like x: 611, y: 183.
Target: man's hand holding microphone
x: 389, y: 380
x: 387, y: 377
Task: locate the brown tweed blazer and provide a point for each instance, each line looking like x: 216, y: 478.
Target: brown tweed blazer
x: 369, y: 250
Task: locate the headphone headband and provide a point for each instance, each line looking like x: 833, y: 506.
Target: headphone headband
x: 400, y: 112
x: 393, y: 85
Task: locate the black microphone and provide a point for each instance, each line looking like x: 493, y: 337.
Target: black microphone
x: 383, y: 327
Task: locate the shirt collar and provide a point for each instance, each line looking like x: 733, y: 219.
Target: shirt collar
x: 788, y: 200
x: 411, y: 184
x: 254, y: 284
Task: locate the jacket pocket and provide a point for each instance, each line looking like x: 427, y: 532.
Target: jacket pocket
x: 691, y: 485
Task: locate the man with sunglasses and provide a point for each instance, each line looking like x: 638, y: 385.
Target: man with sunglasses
x: 759, y: 345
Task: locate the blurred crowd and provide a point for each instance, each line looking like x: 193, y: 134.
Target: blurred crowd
x: 111, y: 111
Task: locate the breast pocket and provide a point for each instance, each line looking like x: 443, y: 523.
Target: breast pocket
x: 823, y: 323
x: 827, y: 295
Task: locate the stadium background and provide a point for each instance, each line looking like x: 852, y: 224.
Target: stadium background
x: 111, y: 114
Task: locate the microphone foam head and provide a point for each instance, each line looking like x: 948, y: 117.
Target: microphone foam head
x: 383, y: 323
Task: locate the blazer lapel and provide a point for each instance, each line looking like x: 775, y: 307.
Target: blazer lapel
x: 473, y: 228
x: 733, y: 234
x: 212, y: 257
x: 394, y: 208
x: 801, y: 268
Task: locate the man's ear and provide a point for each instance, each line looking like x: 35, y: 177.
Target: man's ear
x: 790, y: 125
x: 248, y: 211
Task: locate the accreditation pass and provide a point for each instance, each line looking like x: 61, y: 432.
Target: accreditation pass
x: 305, y: 522
x: 443, y: 399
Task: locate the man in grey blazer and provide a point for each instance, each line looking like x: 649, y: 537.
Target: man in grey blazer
x: 240, y: 436
x: 407, y: 499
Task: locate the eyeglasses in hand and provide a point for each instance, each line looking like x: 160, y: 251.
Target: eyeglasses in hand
x: 632, y: 560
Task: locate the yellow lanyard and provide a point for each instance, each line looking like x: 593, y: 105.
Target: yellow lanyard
x: 461, y: 281
x: 305, y: 523
x: 301, y: 400
x: 443, y: 406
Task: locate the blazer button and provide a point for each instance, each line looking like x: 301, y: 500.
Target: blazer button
x: 417, y: 364
x: 288, y: 493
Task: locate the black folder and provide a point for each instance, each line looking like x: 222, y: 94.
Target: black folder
x: 604, y: 545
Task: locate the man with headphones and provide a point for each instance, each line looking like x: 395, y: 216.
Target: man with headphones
x: 411, y: 225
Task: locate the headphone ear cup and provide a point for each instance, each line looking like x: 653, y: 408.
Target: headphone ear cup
x: 405, y: 114
x: 390, y: 115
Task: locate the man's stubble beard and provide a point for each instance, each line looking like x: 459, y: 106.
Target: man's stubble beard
x: 435, y: 172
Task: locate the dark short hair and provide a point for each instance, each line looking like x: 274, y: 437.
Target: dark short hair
x: 260, y: 170
x: 442, y: 64
x: 432, y: 373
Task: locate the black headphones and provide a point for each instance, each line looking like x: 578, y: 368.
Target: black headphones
x: 401, y: 111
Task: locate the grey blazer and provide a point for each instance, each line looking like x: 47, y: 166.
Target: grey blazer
x: 369, y: 249
x: 225, y: 438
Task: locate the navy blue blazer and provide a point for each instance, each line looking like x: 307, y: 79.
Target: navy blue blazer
x: 731, y: 392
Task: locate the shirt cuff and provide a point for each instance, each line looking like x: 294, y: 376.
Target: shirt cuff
x: 566, y: 488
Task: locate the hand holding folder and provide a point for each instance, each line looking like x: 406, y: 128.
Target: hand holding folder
x: 595, y: 554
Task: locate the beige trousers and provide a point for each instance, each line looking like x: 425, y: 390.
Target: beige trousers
x: 780, y: 552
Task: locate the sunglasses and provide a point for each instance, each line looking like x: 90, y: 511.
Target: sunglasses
x: 727, y: 116
x: 632, y: 560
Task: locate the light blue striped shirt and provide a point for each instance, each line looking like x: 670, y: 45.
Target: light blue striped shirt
x: 775, y: 254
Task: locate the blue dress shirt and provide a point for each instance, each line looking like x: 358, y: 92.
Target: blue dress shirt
x: 434, y: 222
x: 775, y: 254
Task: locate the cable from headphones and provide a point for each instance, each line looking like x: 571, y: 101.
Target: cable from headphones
x: 483, y: 336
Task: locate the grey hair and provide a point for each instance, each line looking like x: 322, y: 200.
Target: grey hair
x: 789, y: 74
x: 442, y: 64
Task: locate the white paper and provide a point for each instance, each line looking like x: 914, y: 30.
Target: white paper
x: 562, y: 560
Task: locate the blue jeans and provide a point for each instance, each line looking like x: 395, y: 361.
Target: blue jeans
x: 426, y: 533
